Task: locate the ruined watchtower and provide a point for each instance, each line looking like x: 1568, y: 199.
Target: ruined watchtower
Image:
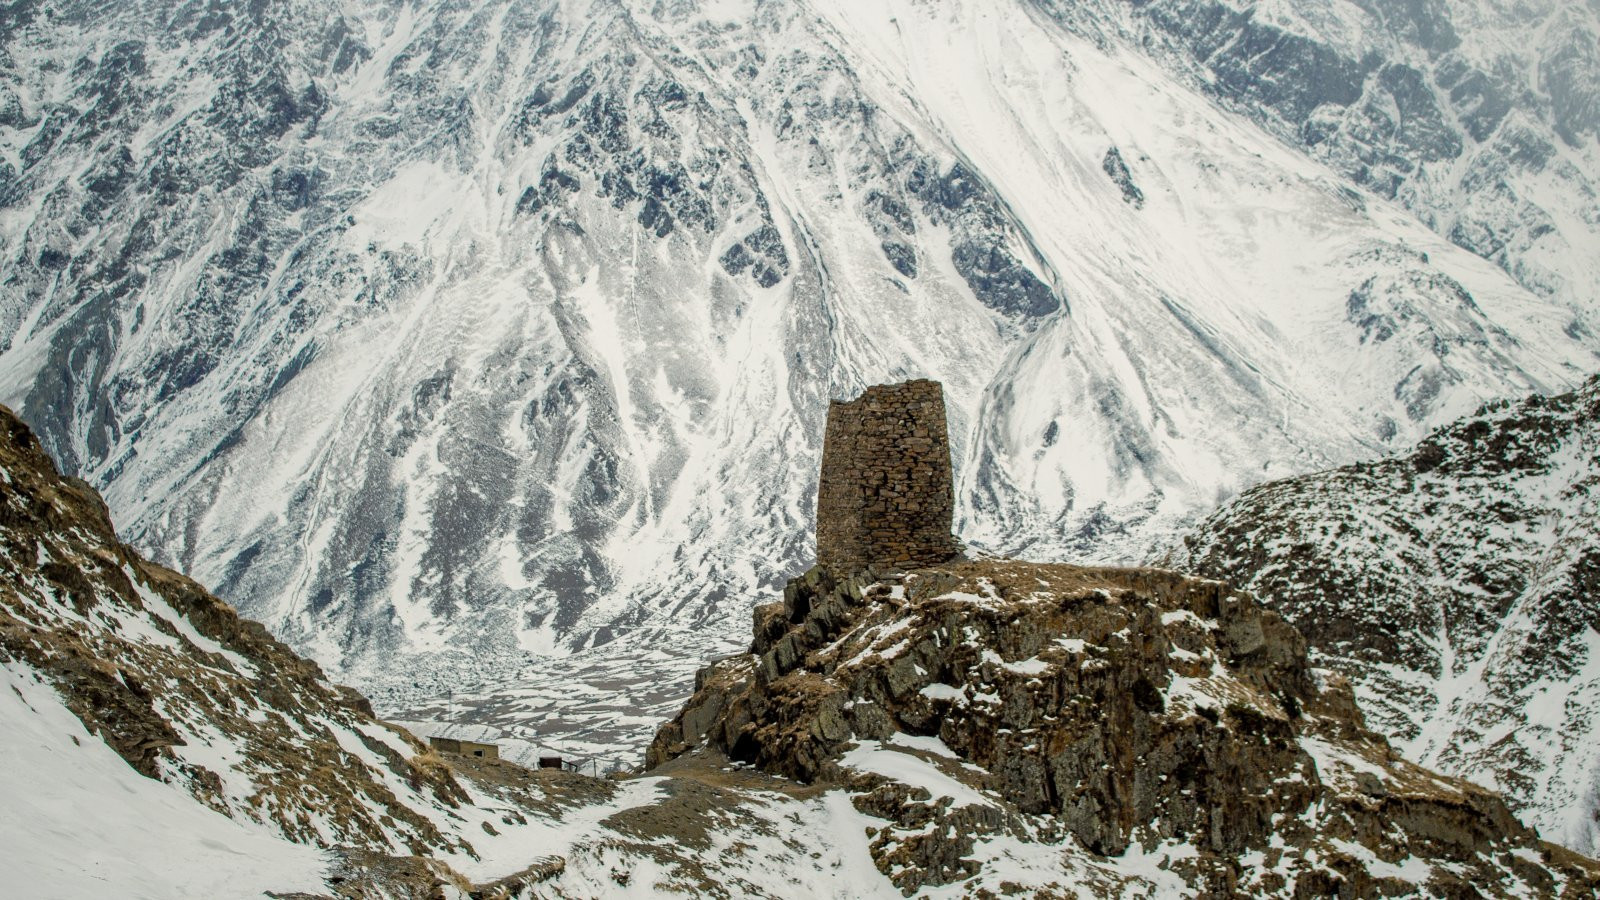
x: 886, y: 497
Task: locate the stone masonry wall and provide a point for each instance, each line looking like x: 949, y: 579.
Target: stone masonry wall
x: 886, y: 495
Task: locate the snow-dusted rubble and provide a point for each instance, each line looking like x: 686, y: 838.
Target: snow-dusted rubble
x: 486, y: 344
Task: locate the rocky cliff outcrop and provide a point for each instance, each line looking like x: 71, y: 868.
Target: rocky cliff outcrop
x: 1457, y: 585
x: 1125, y: 713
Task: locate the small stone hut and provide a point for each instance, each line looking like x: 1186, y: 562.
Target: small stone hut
x: 465, y: 748
x: 886, y: 495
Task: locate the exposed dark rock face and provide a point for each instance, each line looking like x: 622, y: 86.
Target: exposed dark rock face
x: 886, y: 496
x: 982, y: 238
x: 1458, y: 586
x: 1114, y: 166
x: 1114, y: 707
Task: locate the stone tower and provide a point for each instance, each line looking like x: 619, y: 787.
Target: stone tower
x: 886, y: 496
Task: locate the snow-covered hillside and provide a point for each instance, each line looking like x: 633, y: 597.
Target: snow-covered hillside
x: 1480, y: 116
x: 448, y: 338
x: 1456, y: 585
x: 78, y: 819
x: 144, y: 717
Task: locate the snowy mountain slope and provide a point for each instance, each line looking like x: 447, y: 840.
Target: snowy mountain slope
x: 1481, y: 117
x: 78, y: 819
x: 1456, y: 584
x: 480, y: 332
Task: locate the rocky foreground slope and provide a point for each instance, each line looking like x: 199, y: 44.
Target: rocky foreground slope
x: 1459, y: 585
x: 155, y: 744
x: 186, y: 691
x: 1142, y: 730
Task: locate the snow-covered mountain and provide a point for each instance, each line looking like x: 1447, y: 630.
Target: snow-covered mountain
x: 445, y: 337
x: 1456, y: 585
x: 1479, y: 116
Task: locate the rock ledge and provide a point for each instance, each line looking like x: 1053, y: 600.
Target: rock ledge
x: 1116, y: 711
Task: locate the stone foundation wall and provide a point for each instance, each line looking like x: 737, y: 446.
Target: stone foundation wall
x: 886, y: 496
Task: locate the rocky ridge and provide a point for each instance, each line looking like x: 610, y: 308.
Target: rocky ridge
x: 187, y: 691
x: 1457, y: 586
x: 1112, y: 714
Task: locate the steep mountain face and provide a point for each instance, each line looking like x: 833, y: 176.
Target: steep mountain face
x: 1157, y: 734
x: 1480, y: 117
x: 1457, y: 584
x: 446, y: 337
